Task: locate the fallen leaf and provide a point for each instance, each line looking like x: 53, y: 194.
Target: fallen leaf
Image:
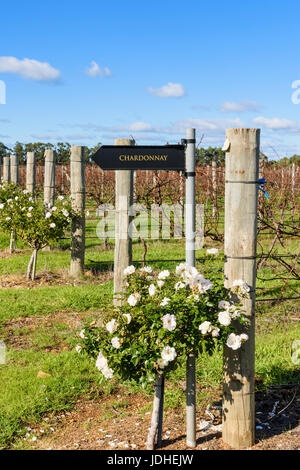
x: 42, y: 374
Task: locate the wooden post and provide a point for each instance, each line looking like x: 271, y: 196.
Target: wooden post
x: 49, y: 177
x: 14, y: 169
x: 30, y: 172
x: 241, y: 195
x: 156, y: 413
x: 6, y: 169
x: 77, y: 182
x: 123, y: 242
x: 1, y: 170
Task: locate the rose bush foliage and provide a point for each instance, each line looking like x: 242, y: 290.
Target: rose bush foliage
x: 164, y: 316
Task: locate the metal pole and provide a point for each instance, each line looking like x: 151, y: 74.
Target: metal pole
x: 190, y: 260
x: 161, y: 413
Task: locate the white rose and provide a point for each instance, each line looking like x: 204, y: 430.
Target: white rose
x: 81, y: 334
x: 181, y: 268
x: 244, y: 337
x: 65, y: 212
x: 146, y: 269
x: 215, y: 332
x: 169, y: 322
x: 133, y: 299
x: 160, y: 283
x: 163, y: 274
x: 152, y: 290
x: 165, y: 302
x: 179, y: 285
x: 129, y: 270
x: 243, y: 286
x: 78, y: 348
x: 168, y: 354
x: 52, y: 225
x: 205, y: 327
x: 224, y: 318
x: 161, y: 363
x: 112, y: 326
x: 1, y: 206
x: 234, y: 341
x: 107, y: 372
x: 101, y: 361
x: 54, y: 209
x: 29, y: 214
x: 8, y: 218
x: 60, y: 198
x: 48, y: 214
x: 116, y: 342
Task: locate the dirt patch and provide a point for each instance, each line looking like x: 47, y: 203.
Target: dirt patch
x: 120, y: 422
x: 18, y: 332
x: 48, y: 278
x: 7, y: 254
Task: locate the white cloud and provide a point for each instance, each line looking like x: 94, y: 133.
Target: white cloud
x: 211, y: 126
x: 94, y: 70
x: 171, y: 90
x: 29, y: 68
x: 140, y: 126
x: 277, y: 123
x: 239, y: 106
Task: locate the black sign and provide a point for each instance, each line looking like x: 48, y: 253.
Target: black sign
x: 142, y: 157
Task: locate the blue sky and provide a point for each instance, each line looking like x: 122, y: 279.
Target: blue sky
x: 93, y: 71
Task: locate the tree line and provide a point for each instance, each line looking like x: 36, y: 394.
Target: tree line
x: 204, y: 155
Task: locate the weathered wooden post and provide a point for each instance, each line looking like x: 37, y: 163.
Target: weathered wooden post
x: 0, y: 169
x: 241, y: 195
x: 123, y: 242
x: 190, y: 228
x: 77, y: 182
x: 14, y: 169
x: 6, y: 169
x: 30, y: 172
x: 49, y: 177
x: 14, y: 178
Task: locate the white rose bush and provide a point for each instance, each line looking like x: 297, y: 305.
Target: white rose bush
x: 164, y: 316
x: 28, y: 218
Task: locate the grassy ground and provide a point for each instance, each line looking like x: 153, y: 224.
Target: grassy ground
x: 39, y: 323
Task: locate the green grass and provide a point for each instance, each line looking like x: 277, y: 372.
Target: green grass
x: 25, y: 398
x: 44, y: 301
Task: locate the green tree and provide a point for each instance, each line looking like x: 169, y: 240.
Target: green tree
x: 63, y: 152
x: 206, y: 156
x: 4, y: 150
x: 19, y: 151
